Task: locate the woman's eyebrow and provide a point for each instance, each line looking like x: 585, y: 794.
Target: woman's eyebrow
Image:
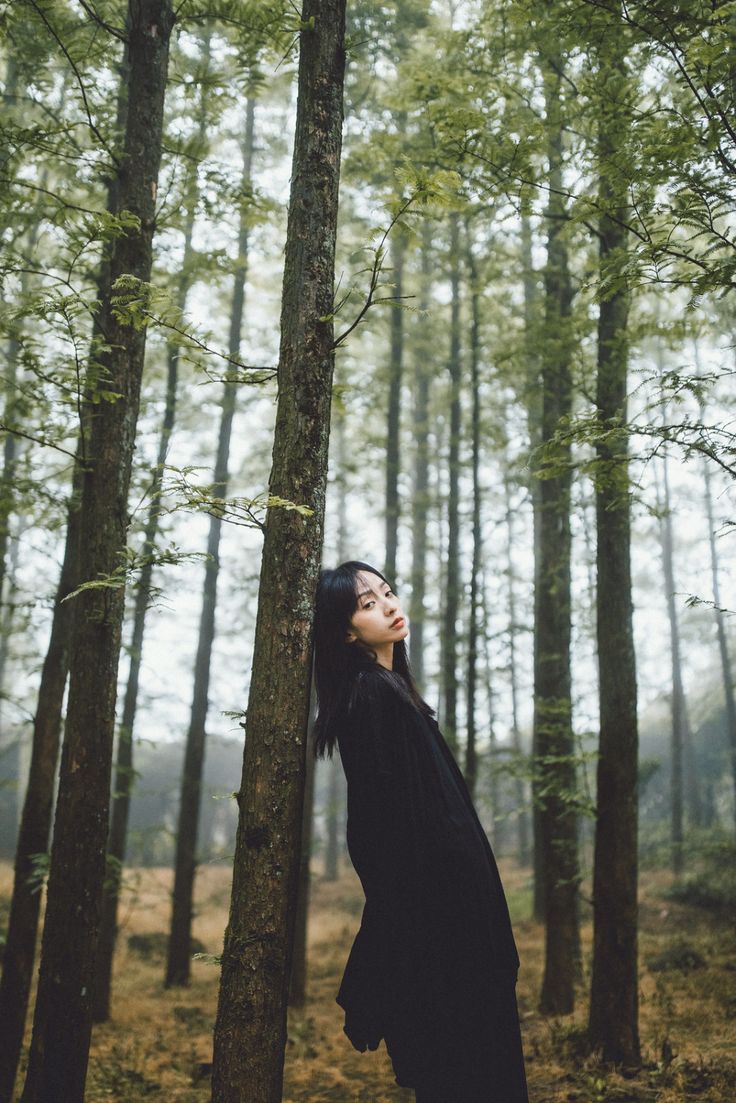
x: 367, y: 592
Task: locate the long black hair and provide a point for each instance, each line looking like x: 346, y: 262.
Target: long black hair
x: 338, y: 664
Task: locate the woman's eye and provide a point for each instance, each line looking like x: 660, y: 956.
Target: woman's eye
x: 368, y: 604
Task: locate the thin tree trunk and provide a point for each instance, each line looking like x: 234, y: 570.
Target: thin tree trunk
x: 613, y: 1024
x: 35, y: 822
x: 124, y: 773
x: 490, y: 689
x: 679, y: 704
x: 554, y: 741
x: 726, y: 669
x: 522, y: 821
x: 534, y: 425
x: 12, y: 748
x: 179, y: 956
x: 62, y: 1022
x: 452, y: 577
x: 335, y: 775
x: 393, y: 426
x: 10, y: 444
x: 250, y: 1031
x: 471, y: 750
x: 421, y: 493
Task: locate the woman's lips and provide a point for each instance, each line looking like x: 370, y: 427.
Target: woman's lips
x: 398, y: 623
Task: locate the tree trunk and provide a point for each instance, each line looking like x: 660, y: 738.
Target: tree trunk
x: 490, y: 688
x: 679, y: 704
x: 471, y: 750
x: 250, y: 1031
x: 35, y: 822
x: 534, y: 423
x: 726, y: 670
x: 520, y: 797
x: 335, y: 775
x: 179, y: 956
x: 124, y: 772
x: 614, y: 1006
x: 554, y: 741
x: 298, y: 976
x: 62, y: 1023
x: 452, y: 577
x: 421, y: 493
x: 393, y: 426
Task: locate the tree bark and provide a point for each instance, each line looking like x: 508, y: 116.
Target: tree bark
x: 679, y: 703
x: 178, y: 962
x: 614, y: 1006
x: 35, y: 823
x: 62, y: 1022
x: 726, y: 669
x: 124, y: 772
x: 335, y: 774
x: 250, y: 1031
x: 393, y: 425
x: 452, y: 576
x: 471, y: 750
x: 534, y: 423
x: 520, y: 796
x: 554, y: 741
x: 421, y: 493
x: 298, y: 976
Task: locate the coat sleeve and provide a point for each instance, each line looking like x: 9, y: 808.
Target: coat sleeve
x: 384, y: 841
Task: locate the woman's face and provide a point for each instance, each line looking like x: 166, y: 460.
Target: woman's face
x: 378, y: 621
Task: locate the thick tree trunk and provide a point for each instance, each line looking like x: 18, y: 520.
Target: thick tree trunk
x: 250, y: 1031
x: 471, y: 750
x: 393, y: 423
x: 421, y: 493
x: 554, y: 741
x: 62, y: 1023
x: 614, y: 1005
x: 178, y: 962
x: 452, y: 575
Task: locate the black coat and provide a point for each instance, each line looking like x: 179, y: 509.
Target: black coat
x: 433, y: 967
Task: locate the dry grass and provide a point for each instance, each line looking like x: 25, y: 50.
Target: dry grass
x: 158, y: 1045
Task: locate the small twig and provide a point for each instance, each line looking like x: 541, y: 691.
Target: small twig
x: 376, y: 269
x: 36, y: 440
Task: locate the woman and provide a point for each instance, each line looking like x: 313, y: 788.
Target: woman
x: 433, y: 967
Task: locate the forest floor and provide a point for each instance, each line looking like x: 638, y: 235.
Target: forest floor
x: 157, y: 1047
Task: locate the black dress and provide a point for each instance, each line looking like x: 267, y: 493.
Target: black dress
x: 433, y: 966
